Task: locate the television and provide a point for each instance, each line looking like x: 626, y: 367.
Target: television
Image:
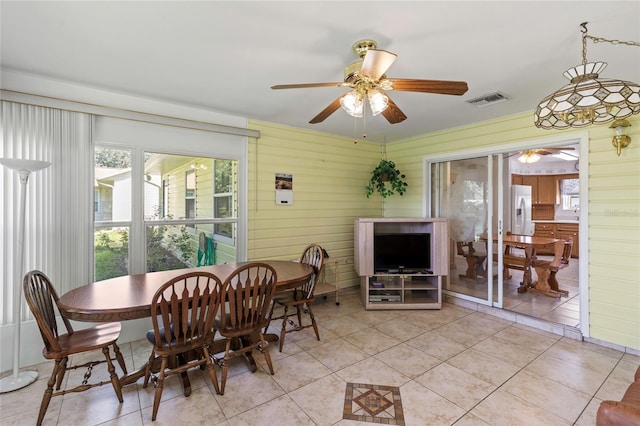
x: 403, y: 253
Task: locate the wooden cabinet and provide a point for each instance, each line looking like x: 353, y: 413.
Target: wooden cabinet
x: 544, y: 189
x: 564, y: 231
x: 560, y: 230
x: 401, y: 288
x: 516, y: 179
x: 547, y: 230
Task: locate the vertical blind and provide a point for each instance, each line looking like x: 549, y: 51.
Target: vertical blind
x: 58, y: 215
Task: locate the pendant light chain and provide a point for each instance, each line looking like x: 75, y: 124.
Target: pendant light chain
x: 586, y: 36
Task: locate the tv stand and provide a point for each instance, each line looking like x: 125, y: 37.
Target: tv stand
x: 401, y: 288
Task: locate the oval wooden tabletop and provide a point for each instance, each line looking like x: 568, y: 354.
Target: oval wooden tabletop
x: 129, y: 297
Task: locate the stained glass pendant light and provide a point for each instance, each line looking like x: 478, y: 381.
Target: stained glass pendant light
x: 588, y: 99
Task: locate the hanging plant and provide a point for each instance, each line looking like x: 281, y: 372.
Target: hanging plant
x: 386, y: 179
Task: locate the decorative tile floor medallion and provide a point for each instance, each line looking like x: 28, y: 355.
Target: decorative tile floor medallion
x: 373, y: 403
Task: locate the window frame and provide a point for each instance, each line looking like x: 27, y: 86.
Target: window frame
x: 148, y: 137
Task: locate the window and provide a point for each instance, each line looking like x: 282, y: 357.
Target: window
x: 112, y: 215
x: 223, y: 197
x: 169, y: 197
x: 570, y: 190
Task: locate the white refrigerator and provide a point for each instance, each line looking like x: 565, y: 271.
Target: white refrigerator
x: 521, y: 210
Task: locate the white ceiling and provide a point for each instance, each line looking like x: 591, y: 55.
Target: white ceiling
x: 225, y: 55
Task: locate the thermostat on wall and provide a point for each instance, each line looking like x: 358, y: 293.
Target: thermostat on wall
x: 284, y: 197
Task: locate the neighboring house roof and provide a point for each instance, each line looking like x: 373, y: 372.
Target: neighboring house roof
x: 106, y: 176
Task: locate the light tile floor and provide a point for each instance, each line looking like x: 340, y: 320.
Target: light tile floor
x: 452, y: 366
x: 564, y: 310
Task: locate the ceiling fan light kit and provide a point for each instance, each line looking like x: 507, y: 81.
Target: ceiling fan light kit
x: 529, y: 157
x: 378, y: 101
x: 352, y: 103
x: 588, y: 99
x: 367, y: 82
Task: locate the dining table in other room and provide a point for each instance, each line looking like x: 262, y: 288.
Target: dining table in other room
x: 528, y: 244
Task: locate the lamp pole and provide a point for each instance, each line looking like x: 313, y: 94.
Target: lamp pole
x: 19, y: 379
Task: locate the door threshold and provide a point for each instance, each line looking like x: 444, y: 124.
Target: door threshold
x: 533, y: 322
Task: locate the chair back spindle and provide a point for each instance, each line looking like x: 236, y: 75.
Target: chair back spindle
x: 248, y: 293
x: 186, y: 307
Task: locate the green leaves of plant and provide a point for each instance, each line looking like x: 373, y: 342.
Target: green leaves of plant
x: 387, y: 180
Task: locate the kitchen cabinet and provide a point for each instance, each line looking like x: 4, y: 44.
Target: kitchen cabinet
x: 560, y: 230
x: 544, y: 189
x: 564, y: 231
x: 547, y: 230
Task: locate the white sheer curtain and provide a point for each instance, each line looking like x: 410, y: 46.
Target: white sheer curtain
x: 58, y: 220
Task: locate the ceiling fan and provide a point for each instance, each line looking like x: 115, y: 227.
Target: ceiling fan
x: 533, y: 155
x: 368, y: 81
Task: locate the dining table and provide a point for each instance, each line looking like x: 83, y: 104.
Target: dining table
x: 129, y: 297
x: 528, y: 244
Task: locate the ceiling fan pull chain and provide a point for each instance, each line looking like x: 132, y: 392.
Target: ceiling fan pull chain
x: 364, y: 120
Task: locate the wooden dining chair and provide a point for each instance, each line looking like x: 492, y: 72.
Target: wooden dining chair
x: 247, y: 293
x: 548, y: 269
x: 42, y: 300
x: 475, y: 261
x: 300, y: 298
x: 515, y: 257
x: 183, y: 315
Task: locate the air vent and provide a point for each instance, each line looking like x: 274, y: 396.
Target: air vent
x: 488, y: 99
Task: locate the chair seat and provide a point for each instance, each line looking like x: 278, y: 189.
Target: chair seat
x: 85, y: 340
x: 151, y: 335
x: 548, y: 264
x: 230, y: 331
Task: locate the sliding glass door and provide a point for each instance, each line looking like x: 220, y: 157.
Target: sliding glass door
x: 466, y: 192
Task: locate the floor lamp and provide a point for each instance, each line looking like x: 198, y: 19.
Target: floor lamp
x: 19, y: 379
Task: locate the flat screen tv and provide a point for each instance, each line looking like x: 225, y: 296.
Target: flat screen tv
x: 405, y: 253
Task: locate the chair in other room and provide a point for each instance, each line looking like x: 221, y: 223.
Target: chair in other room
x: 247, y: 293
x: 300, y: 297
x: 42, y: 300
x: 183, y: 315
x: 475, y: 262
x: 550, y: 268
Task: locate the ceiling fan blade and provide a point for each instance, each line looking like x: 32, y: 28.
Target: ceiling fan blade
x: 443, y: 87
x: 333, y: 107
x: 557, y: 149
x: 393, y: 114
x: 376, y: 63
x: 306, y: 85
